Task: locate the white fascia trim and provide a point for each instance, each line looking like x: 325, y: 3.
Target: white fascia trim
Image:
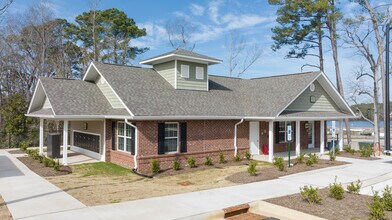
x: 337, y: 93
x: 32, y: 99
x: 303, y: 90
x: 129, y: 111
x: 149, y: 61
x: 314, y: 118
x: 87, y: 71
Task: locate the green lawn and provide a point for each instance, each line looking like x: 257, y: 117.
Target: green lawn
x: 100, y: 168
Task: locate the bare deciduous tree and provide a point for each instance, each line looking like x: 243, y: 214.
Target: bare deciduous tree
x: 241, y: 55
x: 179, y: 32
x: 4, y: 4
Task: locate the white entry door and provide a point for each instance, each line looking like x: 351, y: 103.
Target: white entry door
x: 310, y: 134
x: 254, y: 137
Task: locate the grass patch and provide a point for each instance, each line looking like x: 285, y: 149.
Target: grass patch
x: 100, y: 168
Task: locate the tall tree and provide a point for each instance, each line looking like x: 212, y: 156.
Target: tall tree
x: 179, y: 32
x: 4, y: 4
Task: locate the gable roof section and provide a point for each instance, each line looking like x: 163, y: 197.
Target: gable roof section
x: 181, y: 54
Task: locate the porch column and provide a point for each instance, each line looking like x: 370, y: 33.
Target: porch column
x: 297, y: 138
x: 41, y: 136
x: 341, y: 135
x: 65, y: 143
x: 322, y: 136
x: 270, y: 141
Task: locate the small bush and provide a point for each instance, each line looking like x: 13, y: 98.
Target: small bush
x: 354, y: 187
x: 155, y: 166
x: 237, y: 158
x: 279, y: 163
x: 300, y: 158
x: 313, y: 158
x: 387, y: 198
x: 191, y: 162
x: 309, y: 162
x: 332, y: 157
x: 336, y: 190
x: 348, y: 149
x: 377, y: 208
x: 24, y: 145
x: 56, y: 165
x: 176, y: 164
x: 45, y: 161
x: 222, y: 157
x: 366, y: 152
x: 310, y: 194
x: 252, y: 168
x: 208, y: 161
x: 363, y: 145
x: 248, y: 156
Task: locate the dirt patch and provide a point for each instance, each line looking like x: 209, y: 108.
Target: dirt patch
x: 350, y: 207
x: 271, y: 172
x: 4, y: 212
x: 41, y: 170
x: 16, y: 151
x: 356, y: 155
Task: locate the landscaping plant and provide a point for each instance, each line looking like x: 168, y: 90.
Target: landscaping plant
x: 366, y: 152
x: 310, y: 194
x: 279, y: 163
x: 332, y: 157
x: 252, y: 168
x: 348, y: 149
x: 313, y: 158
x: 248, y: 156
x: 300, y: 158
x: 354, y: 187
x: 155, y: 166
x: 377, y: 207
x: 24, y: 145
x: 191, y: 162
x: 222, y: 157
x: 56, y: 165
x: 387, y: 198
x: 176, y: 164
x: 237, y: 158
x: 336, y: 190
x: 208, y: 161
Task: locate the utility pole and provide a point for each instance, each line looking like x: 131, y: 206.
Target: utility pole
x: 387, y: 128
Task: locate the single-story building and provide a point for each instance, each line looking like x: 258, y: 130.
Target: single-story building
x: 131, y: 115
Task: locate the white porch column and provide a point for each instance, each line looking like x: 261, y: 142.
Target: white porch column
x: 341, y: 135
x: 270, y: 141
x: 41, y: 136
x: 297, y: 138
x: 322, y: 136
x: 65, y: 143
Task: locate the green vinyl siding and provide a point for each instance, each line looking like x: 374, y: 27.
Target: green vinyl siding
x: 166, y: 70
x: 191, y: 83
x: 323, y: 102
x: 108, y: 93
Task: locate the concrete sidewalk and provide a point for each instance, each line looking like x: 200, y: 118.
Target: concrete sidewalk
x: 29, y: 195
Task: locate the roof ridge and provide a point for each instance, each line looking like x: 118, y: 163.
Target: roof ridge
x: 114, y: 64
x: 286, y: 74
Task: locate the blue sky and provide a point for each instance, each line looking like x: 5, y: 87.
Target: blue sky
x: 214, y: 20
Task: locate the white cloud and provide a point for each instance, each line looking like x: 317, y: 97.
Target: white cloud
x: 156, y: 36
x: 196, y: 9
x: 213, y: 9
x: 241, y: 21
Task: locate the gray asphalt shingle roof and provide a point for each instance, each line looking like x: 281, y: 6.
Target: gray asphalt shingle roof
x: 185, y: 53
x: 146, y: 93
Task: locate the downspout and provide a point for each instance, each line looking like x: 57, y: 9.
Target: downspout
x: 136, y: 144
x: 235, y: 136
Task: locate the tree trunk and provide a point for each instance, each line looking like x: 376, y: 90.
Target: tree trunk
x: 320, y: 46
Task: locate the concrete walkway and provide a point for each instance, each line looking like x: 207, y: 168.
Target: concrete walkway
x: 30, y: 196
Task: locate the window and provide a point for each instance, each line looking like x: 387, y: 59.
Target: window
x: 185, y: 71
x: 282, y: 131
x: 199, y: 72
x: 124, y: 137
x: 171, y: 138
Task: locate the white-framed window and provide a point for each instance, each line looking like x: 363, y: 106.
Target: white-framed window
x: 124, y: 137
x: 283, y: 131
x: 199, y: 72
x: 171, y: 137
x: 184, y: 71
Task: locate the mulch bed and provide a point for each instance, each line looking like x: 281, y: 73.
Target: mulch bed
x: 271, y: 172
x: 4, y: 212
x: 16, y: 151
x: 356, y: 156
x: 200, y: 167
x: 350, y: 207
x: 41, y: 170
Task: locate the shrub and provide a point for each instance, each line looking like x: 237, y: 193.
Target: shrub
x: 387, y: 198
x: 51, y: 162
x: 155, y: 166
x: 332, y: 157
x: 56, y: 165
x: 176, y: 164
x: 366, y: 152
x: 310, y: 194
x: 252, y: 168
x: 24, y: 145
x: 348, y: 149
x: 248, y: 156
x: 336, y: 190
x: 313, y: 158
x: 363, y: 145
x: 45, y: 161
x: 279, y: 163
x: 191, y: 162
x: 208, y: 161
x: 354, y: 187
x: 222, y: 157
x: 237, y: 158
x: 300, y: 158
x: 377, y: 208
